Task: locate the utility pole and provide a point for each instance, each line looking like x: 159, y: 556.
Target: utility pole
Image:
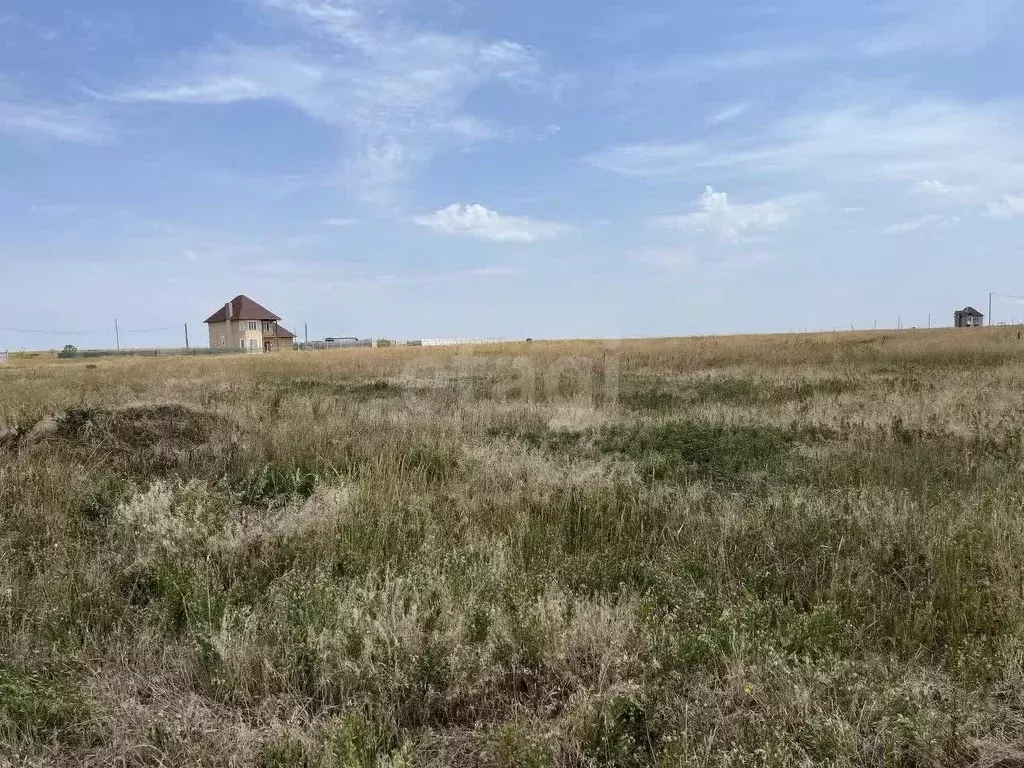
x: 929, y: 320
x: 117, y: 335
x: 990, y: 320
x: 305, y: 327
x: 186, y: 338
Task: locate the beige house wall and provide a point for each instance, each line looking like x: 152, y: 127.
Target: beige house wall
x: 222, y: 336
x: 240, y: 335
x: 250, y: 335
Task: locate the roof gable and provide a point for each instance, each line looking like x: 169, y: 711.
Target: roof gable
x: 242, y: 308
x: 971, y: 311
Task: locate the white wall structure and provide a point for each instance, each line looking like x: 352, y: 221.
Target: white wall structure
x: 459, y: 342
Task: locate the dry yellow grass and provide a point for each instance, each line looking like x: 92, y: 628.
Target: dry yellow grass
x: 791, y: 550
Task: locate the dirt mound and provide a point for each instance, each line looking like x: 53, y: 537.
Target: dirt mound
x: 137, y: 438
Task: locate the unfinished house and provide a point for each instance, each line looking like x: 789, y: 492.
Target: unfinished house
x: 968, y: 318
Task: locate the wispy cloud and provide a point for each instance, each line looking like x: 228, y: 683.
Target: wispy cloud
x: 54, y: 122
x: 973, y: 145
x: 728, y: 221
x: 444, y: 277
x: 399, y: 92
x: 484, y: 224
x: 326, y: 276
x: 928, y: 221
x: 668, y: 259
x: 1007, y: 207
x: 631, y: 79
x: 681, y: 260
x: 209, y: 88
x: 744, y: 261
x: 941, y: 26
x: 728, y: 113
x: 651, y: 159
x: 757, y: 59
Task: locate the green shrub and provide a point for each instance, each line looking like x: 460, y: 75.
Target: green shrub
x: 273, y: 485
x: 621, y: 736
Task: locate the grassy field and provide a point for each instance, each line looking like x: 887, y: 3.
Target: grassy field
x: 794, y: 550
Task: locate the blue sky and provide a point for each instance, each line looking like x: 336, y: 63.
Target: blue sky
x: 451, y: 168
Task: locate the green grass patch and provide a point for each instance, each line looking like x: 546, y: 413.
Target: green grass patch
x: 751, y: 391
x: 720, y: 450
x: 36, y: 707
x: 361, y: 391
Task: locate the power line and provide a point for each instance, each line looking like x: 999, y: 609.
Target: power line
x: 107, y: 332
x: 153, y: 330
x: 992, y: 295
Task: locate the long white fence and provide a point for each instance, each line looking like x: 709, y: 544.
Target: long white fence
x: 458, y: 342
x: 355, y: 343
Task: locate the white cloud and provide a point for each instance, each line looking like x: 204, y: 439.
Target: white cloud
x: 930, y: 220
x: 398, y: 91
x: 54, y: 122
x: 941, y: 192
x: 482, y: 223
x: 932, y: 187
x: 340, y: 222
x: 729, y: 221
x: 1007, y: 207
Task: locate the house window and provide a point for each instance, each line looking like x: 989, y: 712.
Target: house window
x: 254, y: 344
x: 222, y: 340
x: 253, y: 325
x: 242, y: 344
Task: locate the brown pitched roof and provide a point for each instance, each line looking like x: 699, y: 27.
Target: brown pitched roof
x: 971, y: 311
x: 242, y: 308
x: 282, y: 333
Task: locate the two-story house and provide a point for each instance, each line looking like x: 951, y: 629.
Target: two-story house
x: 243, y: 324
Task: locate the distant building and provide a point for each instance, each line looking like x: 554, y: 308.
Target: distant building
x: 968, y: 318
x: 245, y: 325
